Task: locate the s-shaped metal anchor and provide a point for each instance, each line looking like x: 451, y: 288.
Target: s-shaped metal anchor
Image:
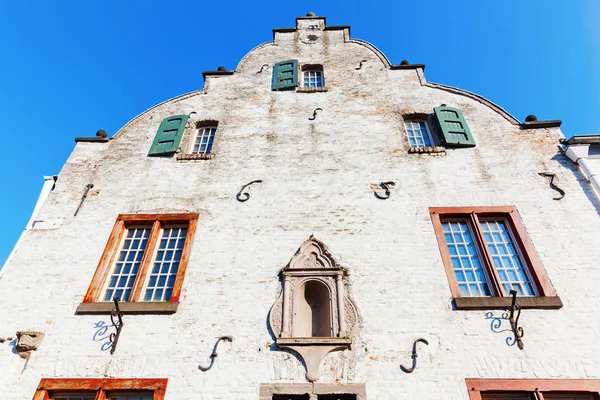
x: 414, y: 356
x: 246, y: 195
x: 214, y: 353
x: 360, y: 65
x: 261, y: 68
x: 552, y: 185
x: 386, y: 186
x: 315, y: 114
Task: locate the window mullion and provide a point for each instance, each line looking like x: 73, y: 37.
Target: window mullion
x: 487, y: 257
x: 138, y: 285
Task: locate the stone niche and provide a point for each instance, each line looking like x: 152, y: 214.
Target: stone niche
x: 313, y: 316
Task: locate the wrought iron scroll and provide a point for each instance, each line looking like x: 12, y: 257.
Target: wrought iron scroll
x: 261, y: 68
x: 85, y: 194
x: 214, y: 353
x: 315, y: 114
x: 553, y: 185
x: 361, y: 64
x: 414, y: 356
x: 385, y: 186
x: 244, y: 196
x: 116, y: 317
x: 190, y: 114
x: 514, y: 322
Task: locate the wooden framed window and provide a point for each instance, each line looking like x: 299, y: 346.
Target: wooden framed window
x: 533, y: 389
x: 487, y: 253
x: 101, y: 389
x: 143, y: 264
x: 418, y: 134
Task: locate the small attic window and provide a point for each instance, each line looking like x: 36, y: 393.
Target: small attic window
x: 312, y: 77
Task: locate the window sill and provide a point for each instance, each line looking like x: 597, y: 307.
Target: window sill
x: 427, y: 150
x: 313, y: 341
x: 503, y: 303
x: 147, y: 307
x: 187, y: 156
x: 312, y: 90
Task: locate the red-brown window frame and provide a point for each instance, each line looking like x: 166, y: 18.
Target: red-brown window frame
x: 111, y: 250
x: 477, y: 386
x: 100, y: 386
x: 546, y: 297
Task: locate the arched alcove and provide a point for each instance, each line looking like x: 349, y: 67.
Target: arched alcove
x: 312, y: 311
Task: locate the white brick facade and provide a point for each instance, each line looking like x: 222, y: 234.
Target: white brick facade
x: 316, y: 180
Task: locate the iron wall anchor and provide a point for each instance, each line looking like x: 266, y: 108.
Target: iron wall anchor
x: 386, y: 186
x: 414, y: 356
x: 85, y: 194
x: 514, y: 322
x: 118, y: 324
x: 315, y: 114
x: 245, y: 195
x: 214, y: 353
x: 553, y: 185
x: 261, y: 68
x: 361, y: 64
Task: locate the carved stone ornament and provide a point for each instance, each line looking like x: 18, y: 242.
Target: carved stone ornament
x: 313, y: 316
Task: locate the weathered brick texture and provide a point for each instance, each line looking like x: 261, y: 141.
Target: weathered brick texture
x: 316, y: 180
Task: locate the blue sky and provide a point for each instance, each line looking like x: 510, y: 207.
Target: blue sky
x: 70, y: 68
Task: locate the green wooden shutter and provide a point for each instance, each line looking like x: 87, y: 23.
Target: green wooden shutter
x: 285, y: 75
x: 168, y: 136
x: 454, y: 127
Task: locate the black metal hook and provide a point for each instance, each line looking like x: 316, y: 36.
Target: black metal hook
x: 386, y: 187
x: 261, y: 68
x: 246, y: 195
x: 190, y: 114
x: 85, y: 194
x: 315, y: 114
x: 214, y: 353
x: 514, y: 322
x: 118, y: 324
x: 414, y: 356
x: 552, y: 185
x: 360, y: 65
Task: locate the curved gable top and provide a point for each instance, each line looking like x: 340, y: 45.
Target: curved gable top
x: 378, y: 54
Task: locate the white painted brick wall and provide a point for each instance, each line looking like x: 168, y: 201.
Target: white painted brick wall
x: 316, y: 181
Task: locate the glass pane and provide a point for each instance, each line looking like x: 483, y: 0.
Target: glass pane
x: 418, y: 134
x: 507, y: 261
x: 204, y: 140
x: 162, y: 278
x: 128, y: 262
x: 465, y: 260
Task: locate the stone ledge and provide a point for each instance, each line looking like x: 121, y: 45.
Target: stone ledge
x: 313, y: 341
x: 408, y: 66
x: 312, y: 90
x: 541, y: 124
x: 187, y: 156
x: 91, y: 140
x: 503, y: 303
x: 148, y: 307
x: 427, y: 150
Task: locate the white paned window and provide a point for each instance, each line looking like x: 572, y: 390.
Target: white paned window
x: 313, y: 79
x: 506, y: 258
x: 166, y: 263
x: 418, y: 134
x: 127, y: 263
x: 203, y: 141
x: 466, y: 261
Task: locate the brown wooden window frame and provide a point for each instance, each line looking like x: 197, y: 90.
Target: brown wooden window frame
x: 99, y: 387
x: 478, y: 387
x: 91, y: 302
x: 546, y: 297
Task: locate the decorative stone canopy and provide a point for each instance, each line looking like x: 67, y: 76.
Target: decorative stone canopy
x: 313, y: 316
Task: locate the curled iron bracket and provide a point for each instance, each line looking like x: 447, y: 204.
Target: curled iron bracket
x: 117, y: 323
x: 190, y: 114
x: 261, y: 68
x: 361, y: 64
x: 414, y: 356
x: 315, y: 114
x: 214, y: 353
x: 552, y: 185
x: 85, y: 194
x: 245, y: 195
x: 514, y: 322
x: 386, y: 186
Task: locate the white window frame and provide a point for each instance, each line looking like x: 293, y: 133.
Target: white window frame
x: 306, y: 76
x: 427, y: 130
x: 200, y: 132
